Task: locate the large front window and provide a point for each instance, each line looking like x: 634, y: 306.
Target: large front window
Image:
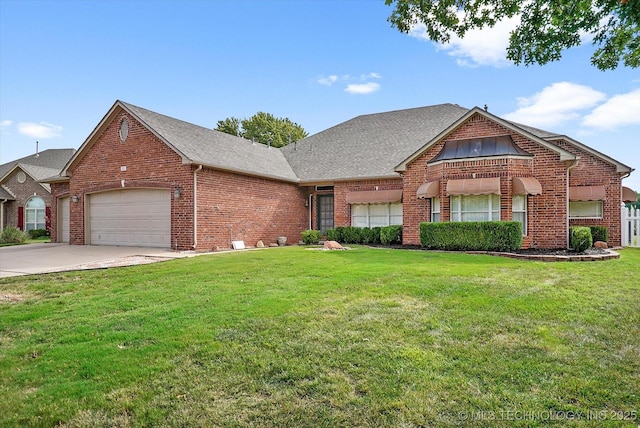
x: 475, y: 208
x: 35, y: 217
x: 376, y: 215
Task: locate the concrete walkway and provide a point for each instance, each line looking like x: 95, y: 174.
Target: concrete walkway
x: 47, y: 257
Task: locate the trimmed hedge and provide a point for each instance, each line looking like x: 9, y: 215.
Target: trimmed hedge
x: 580, y: 238
x: 333, y: 235
x: 38, y: 233
x: 599, y: 233
x: 390, y: 235
x: 355, y: 235
x: 311, y: 237
x: 472, y: 236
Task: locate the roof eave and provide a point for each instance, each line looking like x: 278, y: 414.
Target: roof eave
x: 317, y: 181
x: 620, y: 167
x: 186, y: 161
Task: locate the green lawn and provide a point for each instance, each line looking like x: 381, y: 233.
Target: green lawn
x: 292, y: 337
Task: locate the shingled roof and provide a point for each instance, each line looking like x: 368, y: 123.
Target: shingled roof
x: 50, y: 159
x: 368, y: 146
x: 200, y: 145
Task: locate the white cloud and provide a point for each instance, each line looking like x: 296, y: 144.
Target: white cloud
x: 5, y: 124
x: 371, y: 75
x: 487, y: 46
x: 39, y: 130
x: 328, y: 80
x: 364, y: 88
x: 555, y: 104
x: 620, y: 110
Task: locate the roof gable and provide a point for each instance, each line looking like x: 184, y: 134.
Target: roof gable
x: 199, y: 145
x: 564, y: 155
x: 51, y: 158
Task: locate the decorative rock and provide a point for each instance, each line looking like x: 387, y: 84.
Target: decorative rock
x: 282, y: 240
x: 600, y: 244
x: 260, y: 244
x: 273, y: 244
x: 332, y: 245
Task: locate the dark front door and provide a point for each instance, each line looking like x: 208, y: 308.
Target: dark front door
x: 325, y: 213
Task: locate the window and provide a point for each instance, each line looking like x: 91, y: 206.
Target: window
x: 519, y: 211
x: 376, y: 215
x: 475, y: 208
x: 585, y: 209
x: 325, y: 212
x: 435, y: 210
x: 35, y: 214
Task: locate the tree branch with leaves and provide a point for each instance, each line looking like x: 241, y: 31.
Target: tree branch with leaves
x: 546, y: 28
x: 263, y: 128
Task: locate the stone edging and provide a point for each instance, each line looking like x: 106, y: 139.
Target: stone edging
x: 610, y: 254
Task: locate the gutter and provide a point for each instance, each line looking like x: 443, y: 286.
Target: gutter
x: 569, y: 168
x: 195, y: 206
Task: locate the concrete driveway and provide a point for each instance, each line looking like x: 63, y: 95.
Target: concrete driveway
x: 46, y: 257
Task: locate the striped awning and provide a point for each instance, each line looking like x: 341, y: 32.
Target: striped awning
x: 526, y: 186
x: 587, y: 193
x: 430, y: 189
x: 374, y: 197
x: 628, y: 195
x: 474, y: 186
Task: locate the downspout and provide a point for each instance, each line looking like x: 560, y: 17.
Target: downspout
x: 310, y: 212
x: 569, y: 168
x: 195, y: 206
x: 2, y: 214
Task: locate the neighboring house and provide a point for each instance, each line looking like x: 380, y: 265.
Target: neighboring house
x: 25, y: 202
x: 142, y: 178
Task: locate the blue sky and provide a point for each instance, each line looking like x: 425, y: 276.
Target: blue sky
x: 64, y: 63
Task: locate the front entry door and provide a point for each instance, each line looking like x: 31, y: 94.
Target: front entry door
x: 325, y: 213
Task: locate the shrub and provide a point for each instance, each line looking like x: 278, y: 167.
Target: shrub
x: 390, y: 235
x: 333, y: 235
x: 38, y: 233
x: 370, y: 235
x: 472, y: 236
x: 581, y: 238
x: 599, y: 233
x: 352, y: 235
x: 311, y: 237
x: 13, y: 235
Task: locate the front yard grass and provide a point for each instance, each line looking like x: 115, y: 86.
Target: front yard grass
x: 296, y: 337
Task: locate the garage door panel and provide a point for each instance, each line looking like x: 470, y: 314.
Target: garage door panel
x: 131, y: 217
x: 64, y: 219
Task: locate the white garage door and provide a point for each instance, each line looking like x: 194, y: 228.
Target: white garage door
x: 130, y: 217
x: 64, y: 218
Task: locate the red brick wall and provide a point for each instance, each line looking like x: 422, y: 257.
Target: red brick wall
x: 593, y: 171
x: 236, y: 207
x: 23, y: 192
x: 546, y: 213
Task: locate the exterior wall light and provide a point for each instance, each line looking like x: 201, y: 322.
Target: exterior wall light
x: 176, y: 193
x: 75, y: 199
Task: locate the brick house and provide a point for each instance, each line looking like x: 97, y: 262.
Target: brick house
x: 25, y: 202
x: 140, y: 176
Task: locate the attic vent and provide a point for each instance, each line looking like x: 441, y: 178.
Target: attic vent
x: 324, y: 188
x: 124, y: 129
x: 22, y: 177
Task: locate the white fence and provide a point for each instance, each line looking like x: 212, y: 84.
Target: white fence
x: 630, y: 227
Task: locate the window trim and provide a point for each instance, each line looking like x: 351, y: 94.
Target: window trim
x: 456, y: 216
x: 600, y: 205
x: 35, y: 223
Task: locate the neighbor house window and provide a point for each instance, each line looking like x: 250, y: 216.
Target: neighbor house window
x: 35, y: 214
x: 376, y: 215
x: 519, y: 211
x: 585, y: 209
x: 435, y: 210
x: 475, y: 208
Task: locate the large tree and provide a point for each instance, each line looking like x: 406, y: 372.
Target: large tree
x: 263, y: 128
x: 547, y: 27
